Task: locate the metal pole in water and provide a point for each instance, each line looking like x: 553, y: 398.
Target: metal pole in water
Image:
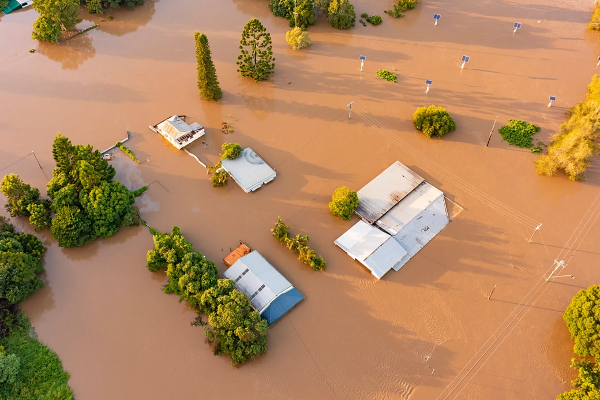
x: 36, y: 159
x: 492, y: 131
x: 350, y: 112
x: 533, y: 234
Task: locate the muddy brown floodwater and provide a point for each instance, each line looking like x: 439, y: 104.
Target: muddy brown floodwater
x: 353, y: 337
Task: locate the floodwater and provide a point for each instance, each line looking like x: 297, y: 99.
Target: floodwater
x: 353, y: 337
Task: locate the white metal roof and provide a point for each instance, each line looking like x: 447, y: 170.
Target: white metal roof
x: 249, y: 170
x: 385, y: 191
x: 372, y: 247
x: 258, y: 279
x: 176, y: 127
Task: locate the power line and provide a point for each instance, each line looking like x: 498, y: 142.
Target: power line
x: 10, y: 165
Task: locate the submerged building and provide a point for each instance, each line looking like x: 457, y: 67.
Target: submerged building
x: 178, y: 132
x: 269, y: 292
x: 400, y: 213
x: 14, y: 5
x: 248, y: 170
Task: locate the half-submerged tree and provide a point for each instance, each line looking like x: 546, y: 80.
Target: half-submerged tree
x: 341, y: 14
x: 208, y: 82
x: 595, y: 20
x: 343, y: 203
x: 100, y: 6
x: 256, y: 59
x: 300, y: 13
x: 297, y: 38
x: 56, y: 17
x: 433, y: 121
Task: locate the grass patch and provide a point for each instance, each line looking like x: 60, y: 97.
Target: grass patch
x: 520, y: 133
x: 40, y: 374
x: 387, y: 75
x: 139, y: 191
x: 128, y: 152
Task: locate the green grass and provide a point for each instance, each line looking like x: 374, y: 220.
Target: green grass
x: 41, y: 376
x: 387, y: 75
x: 519, y: 133
x: 128, y: 152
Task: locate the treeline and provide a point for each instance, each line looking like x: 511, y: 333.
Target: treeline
x: 298, y: 244
x: 85, y: 203
x: 28, y: 369
x: 232, y: 328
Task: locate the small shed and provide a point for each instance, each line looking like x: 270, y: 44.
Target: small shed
x: 178, y: 132
x: 385, y: 191
x: 248, y: 170
x: 373, y: 248
x: 269, y: 292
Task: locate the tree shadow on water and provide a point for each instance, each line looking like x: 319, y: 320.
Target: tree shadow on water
x: 128, y: 21
x: 71, y: 53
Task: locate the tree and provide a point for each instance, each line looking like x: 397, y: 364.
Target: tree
x: 297, y: 38
x: 587, y: 385
x: 207, y: 74
x: 9, y: 367
x: 100, y: 6
x: 341, y: 14
x: 595, y: 20
x: 219, y: 175
x: 280, y: 231
x: 343, y: 203
x: 256, y: 59
x: 304, y: 9
x: 433, y: 121
x: 19, y: 195
x: 191, y: 277
x: 168, y: 251
x: 583, y: 320
x: 322, y: 5
x: 56, y: 16
x: 231, y: 151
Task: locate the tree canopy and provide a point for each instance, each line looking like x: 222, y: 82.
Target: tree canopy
x: 341, y: 14
x: 56, y: 16
x: 231, y: 151
x: 256, y: 59
x: 433, y: 121
x: 298, y: 244
x: 305, y: 10
x: 343, y: 203
x: 297, y: 38
x: 100, y: 6
x: 208, y: 82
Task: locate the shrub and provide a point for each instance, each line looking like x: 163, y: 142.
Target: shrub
x: 400, y: 7
x: 208, y: 83
x: 297, y: 38
x: 230, y: 151
x: 341, y: 14
x: 219, y: 175
x: 256, y: 59
x: 595, y: 20
x: 128, y: 152
x: 375, y: 20
x: 139, y: 191
x: 387, y: 75
x: 364, y: 15
x: 343, y: 203
x: 575, y: 146
x: 433, y: 121
x: 298, y: 244
x: 519, y: 133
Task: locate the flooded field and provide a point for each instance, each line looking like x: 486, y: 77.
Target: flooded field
x: 353, y: 337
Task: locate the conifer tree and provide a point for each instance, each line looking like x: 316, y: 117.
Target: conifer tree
x: 256, y: 60
x: 208, y: 82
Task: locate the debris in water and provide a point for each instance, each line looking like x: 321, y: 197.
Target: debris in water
x: 32, y: 50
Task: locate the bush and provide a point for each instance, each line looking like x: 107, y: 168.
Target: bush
x: 128, y: 152
x: 231, y: 151
x: 341, y: 14
x: 433, y: 121
x: 575, y: 146
x: 519, y: 133
x: 375, y: 19
x: 400, y: 7
x: 364, y: 15
x: 387, y: 75
x: 595, y: 20
x: 297, y: 38
x: 298, y: 244
x: 343, y: 203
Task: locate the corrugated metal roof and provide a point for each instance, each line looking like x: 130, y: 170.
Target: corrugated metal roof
x: 174, y: 127
x: 249, y: 170
x: 385, y: 258
x: 385, y: 191
x: 258, y: 279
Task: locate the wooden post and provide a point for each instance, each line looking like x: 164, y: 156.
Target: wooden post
x: 492, y: 131
x: 492, y: 292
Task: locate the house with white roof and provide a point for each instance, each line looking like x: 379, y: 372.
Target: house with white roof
x: 178, y: 132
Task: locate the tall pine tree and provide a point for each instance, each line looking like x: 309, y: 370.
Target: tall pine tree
x: 207, y: 74
x: 256, y: 60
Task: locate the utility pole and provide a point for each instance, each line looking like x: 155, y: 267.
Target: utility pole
x: 350, y: 112
x: 36, y: 159
x: 559, y: 264
x: 492, y: 131
x: 536, y: 229
x: 295, y: 14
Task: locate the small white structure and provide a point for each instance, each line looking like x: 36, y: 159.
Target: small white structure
x: 176, y: 131
x: 373, y: 248
x: 248, y: 170
x: 397, y: 206
x: 269, y: 292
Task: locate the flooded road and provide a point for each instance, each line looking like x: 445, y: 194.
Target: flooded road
x: 353, y: 337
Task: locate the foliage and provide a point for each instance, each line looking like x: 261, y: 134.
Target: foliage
x: 583, y: 320
x: 322, y: 5
x: 231, y: 151
x: 20, y: 264
x: 56, y: 16
x: 341, y: 14
x: 39, y: 215
x: 219, y: 175
x: 256, y: 59
x: 387, y: 75
x: 298, y: 244
x: 236, y: 330
x: 519, y: 133
x: 305, y: 10
x: 10, y: 365
x: 363, y: 23
x: 9, y: 317
x: 587, y: 385
x: 375, y: 19
x: 575, y: 146
x: 18, y: 194
x: 297, y: 38
x: 128, y: 152
x: 3, y: 4
x: 433, y: 121
x: 343, y: 203
x: 138, y: 192
x: 595, y: 20
x: 401, y: 6
x: 100, y: 6
x: 40, y: 375
x: 208, y: 83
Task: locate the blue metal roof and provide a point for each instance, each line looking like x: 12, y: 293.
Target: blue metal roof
x: 281, y: 305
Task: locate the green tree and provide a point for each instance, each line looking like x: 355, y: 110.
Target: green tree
x: 208, y: 82
x: 256, y: 59
x: 280, y: 231
x: 343, y: 203
x: 231, y: 151
x: 587, y: 384
x: 9, y: 367
x: 583, y: 320
x: 305, y: 10
x: 19, y: 195
x: 297, y: 38
x: 191, y: 277
x: 219, y: 175
x: 433, y: 121
x: 71, y: 227
x: 39, y: 215
x: 56, y: 16
x: 341, y: 14
x: 168, y: 251
x: 105, y: 206
x: 100, y: 6
x: 322, y: 5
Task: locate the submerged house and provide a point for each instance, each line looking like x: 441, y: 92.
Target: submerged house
x: 248, y: 170
x: 269, y: 292
x: 178, y: 132
x: 14, y: 5
x: 400, y: 213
